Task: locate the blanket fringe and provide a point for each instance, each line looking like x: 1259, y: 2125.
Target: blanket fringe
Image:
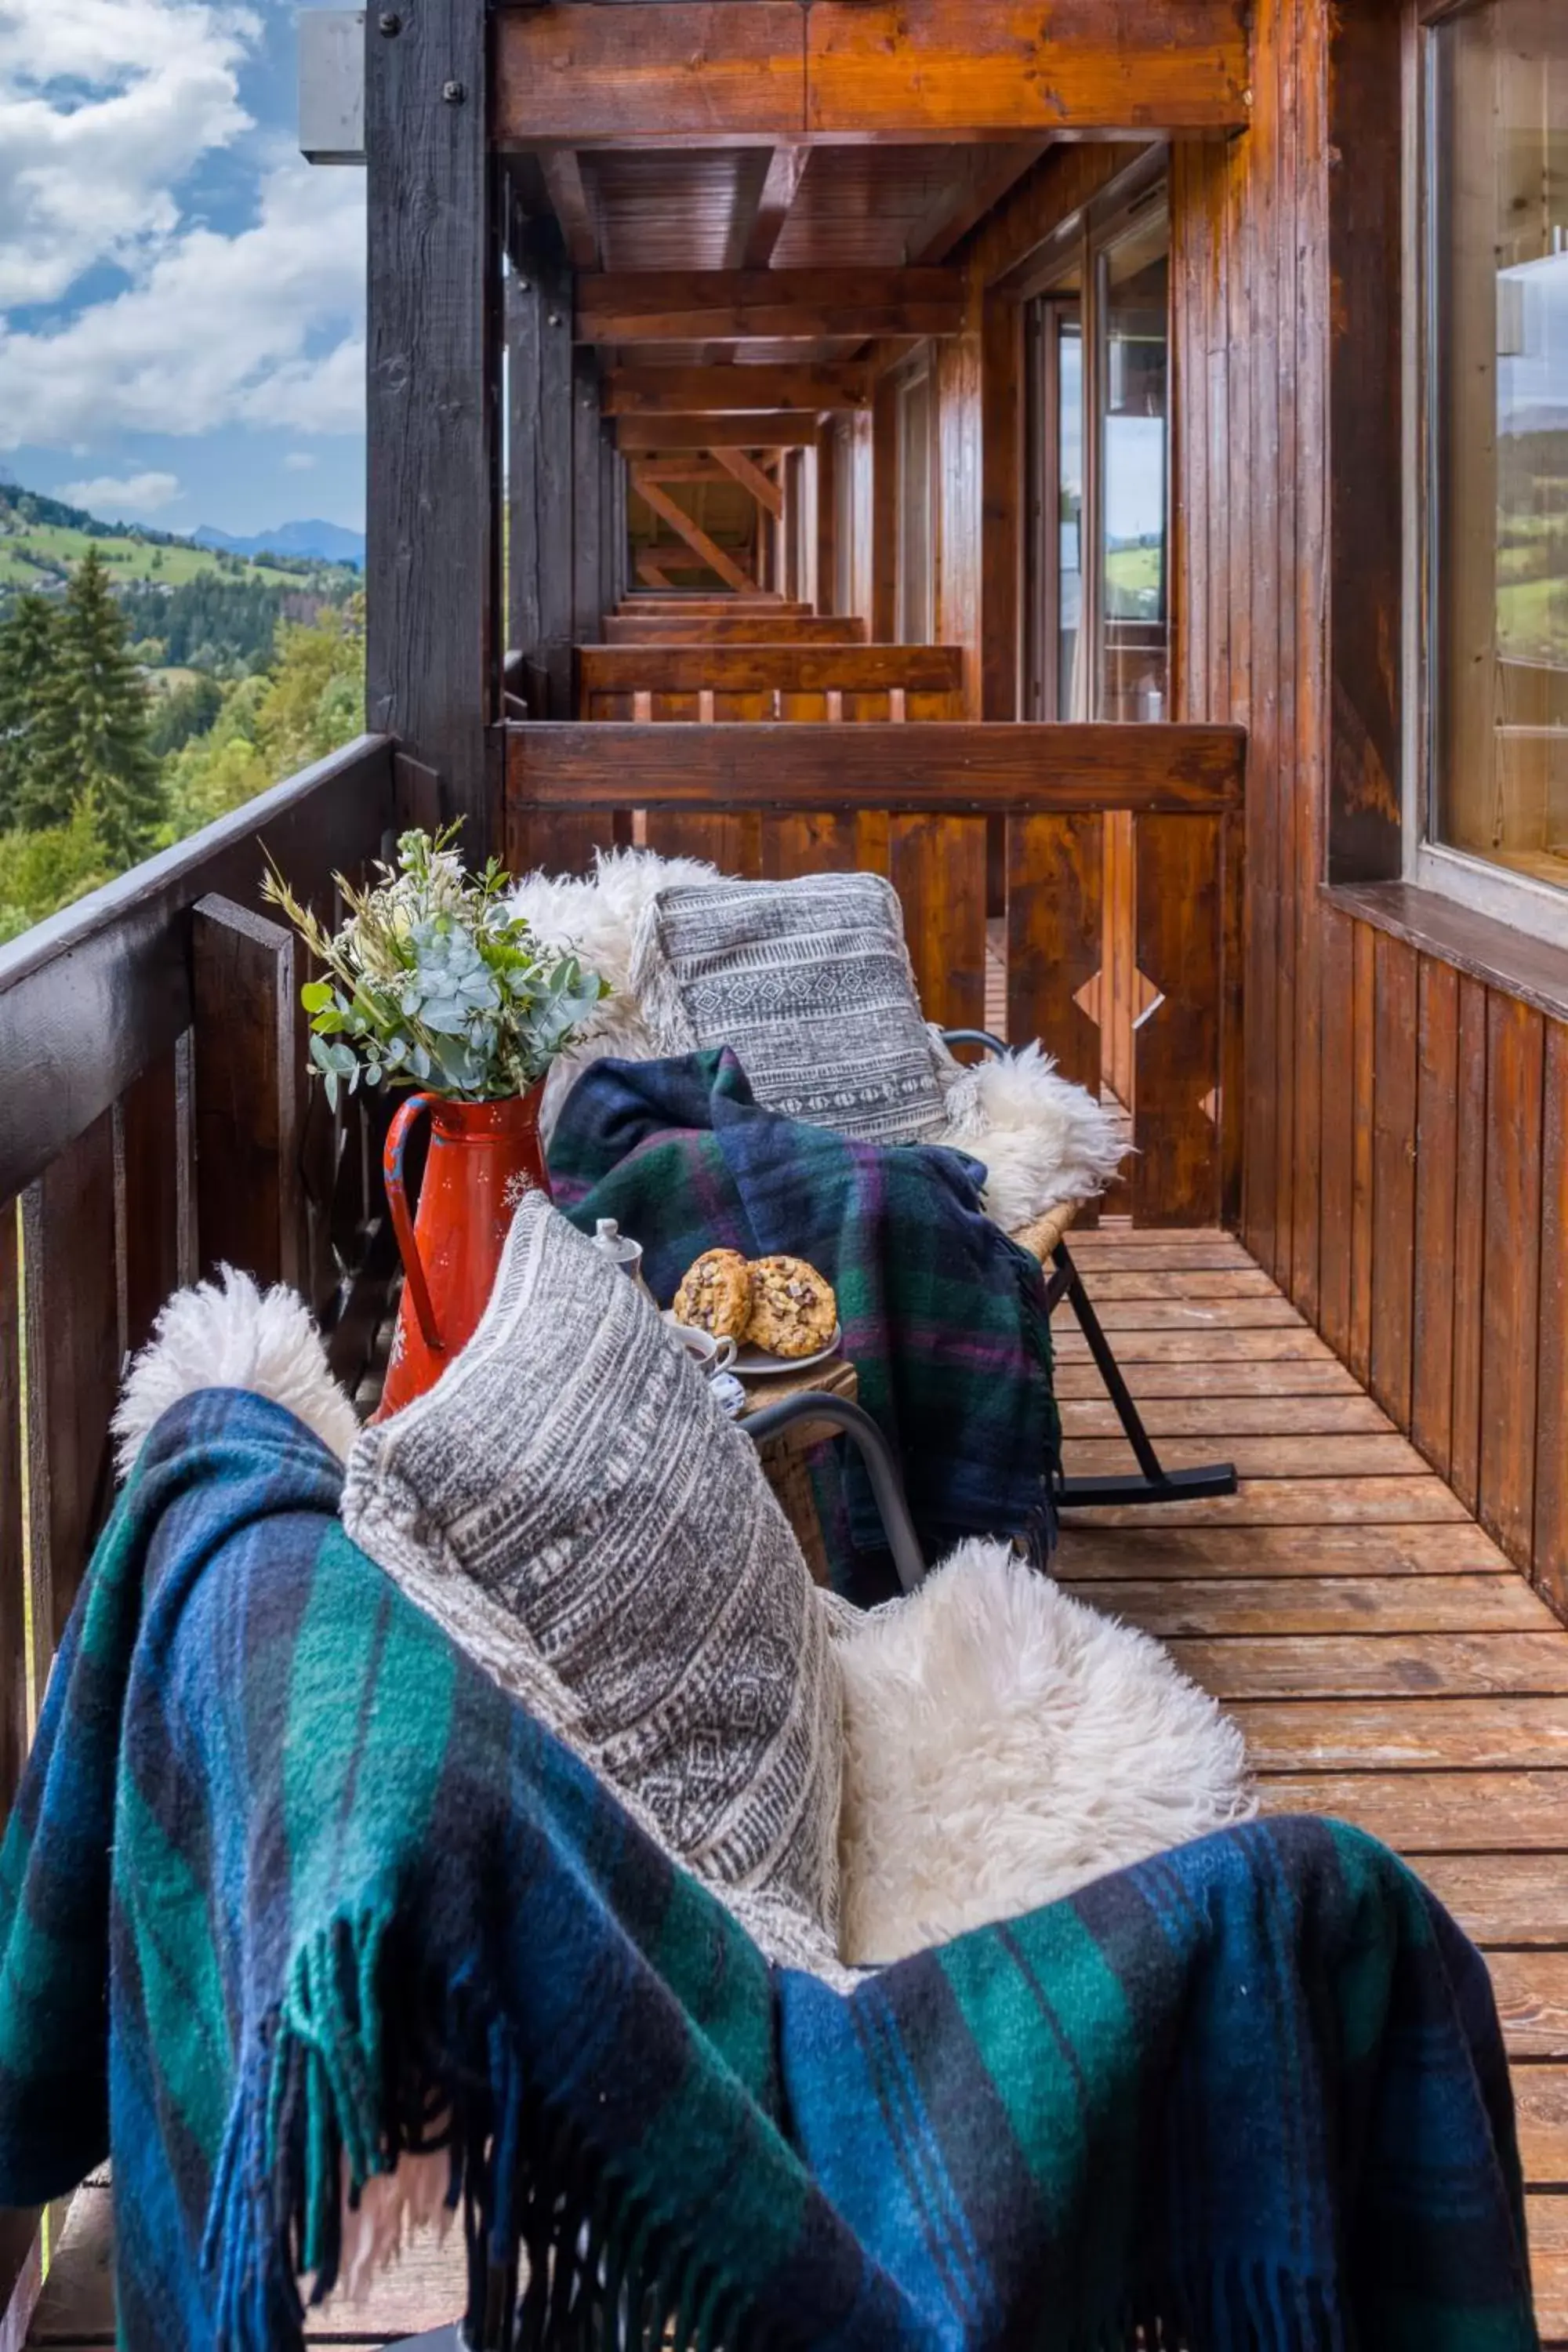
x: 324, y: 2098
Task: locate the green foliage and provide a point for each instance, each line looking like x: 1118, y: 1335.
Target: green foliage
x: 434, y: 982
x: 41, y: 872
x: 309, y: 701
x: 206, y: 748
x: 188, y: 710
x: 27, y: 652
x: 90, y: 731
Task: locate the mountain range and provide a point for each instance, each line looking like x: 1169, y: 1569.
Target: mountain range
x: 328, y: 543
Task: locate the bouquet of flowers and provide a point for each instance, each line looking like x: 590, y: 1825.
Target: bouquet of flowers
x: 432, y: 981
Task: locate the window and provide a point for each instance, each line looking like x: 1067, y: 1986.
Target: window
x: 1099, y: 593
x: 914, y: 618
x: 1496, y: 417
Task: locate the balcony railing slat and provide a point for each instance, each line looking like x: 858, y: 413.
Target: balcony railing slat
x: 249, y: 1094
x: 73, y: 1369
x: 13, y: 1626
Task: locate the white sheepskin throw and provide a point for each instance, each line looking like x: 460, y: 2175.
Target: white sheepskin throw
x: 597, y: 916
x: 1040, y: 1138
x: 229, y: 1335
x: 1003, y: 1745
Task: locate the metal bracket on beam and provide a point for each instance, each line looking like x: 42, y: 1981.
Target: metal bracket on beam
x: 331, y: 84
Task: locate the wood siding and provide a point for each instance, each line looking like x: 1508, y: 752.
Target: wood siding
x: 1405, y: 1119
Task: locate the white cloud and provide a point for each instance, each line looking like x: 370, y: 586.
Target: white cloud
x: 138, y: 494
x: 105, y: 106
x: 298, y: 461
x: 263, y: 328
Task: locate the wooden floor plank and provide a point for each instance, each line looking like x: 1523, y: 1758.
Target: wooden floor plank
x: 1420, y: 1813
x: 1228, y: 1418
x: 1235, y: 1318
x: 1254, y: 1457
x: 1517, y: 1899
x: 1285, y: 1346
x: 1223, y: 1610
x: 1546, y: 2224
x: 1419, y: 1735
x: 1319, y: 1376
x: 1297, y: 1502
x: 1114, y: 1281
x: 1541, y: 2095
x: 1172, y: 1547
x: 1382, y: 1665
x: 1532, y: 1990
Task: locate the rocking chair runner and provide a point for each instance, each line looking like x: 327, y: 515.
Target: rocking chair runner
x: 1046, y: 1239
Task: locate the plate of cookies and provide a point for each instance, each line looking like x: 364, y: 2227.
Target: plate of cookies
x: 779, y: 1312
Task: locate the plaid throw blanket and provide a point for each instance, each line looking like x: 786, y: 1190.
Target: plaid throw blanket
x: 292, y: 1887
x: 943, y: 1317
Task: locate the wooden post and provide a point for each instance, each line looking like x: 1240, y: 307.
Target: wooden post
x: 538, y: 466
x: 248, y: 1086
x: 432, y: 557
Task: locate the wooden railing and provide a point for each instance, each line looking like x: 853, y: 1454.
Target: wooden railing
x: 807, y: 683
x: 737, y: 628
x: 916, y: 803
x: 157, y: 1121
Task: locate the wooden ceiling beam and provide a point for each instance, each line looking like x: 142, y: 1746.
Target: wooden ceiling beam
x: 657, y: 436
x: 986, y: 177
x: 738, y: 72
x: 706, y: 549
x: 734, y: 391
x: 752, y: 478
x: 569, y: 201
x: 770, y: 209
x: 662, y: 305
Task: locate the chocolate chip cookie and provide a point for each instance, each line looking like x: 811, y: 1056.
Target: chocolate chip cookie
x: 715, y: 1295
x: 793, y: 1311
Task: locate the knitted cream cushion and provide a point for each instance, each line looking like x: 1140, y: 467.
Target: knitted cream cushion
x: 809, y: 983
x: 571, y: 1504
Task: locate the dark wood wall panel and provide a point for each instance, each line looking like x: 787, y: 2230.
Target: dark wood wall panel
x: 1436, y: 1175
x: 1395, y: 1023
x: 1510, y: 1298
x: 1470, y: 1230
x: 1551, y: 1427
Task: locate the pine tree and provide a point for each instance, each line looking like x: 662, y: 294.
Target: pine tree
x: 93, y: 725
x: 28, y: 653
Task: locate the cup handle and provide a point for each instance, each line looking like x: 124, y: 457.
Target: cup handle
x: 724, y: 1355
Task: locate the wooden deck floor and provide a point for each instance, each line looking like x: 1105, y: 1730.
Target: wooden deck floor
x: 1387, y: 1662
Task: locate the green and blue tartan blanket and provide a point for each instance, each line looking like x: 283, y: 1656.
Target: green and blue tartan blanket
x: 944, y: 1318
x: 292, y: 1887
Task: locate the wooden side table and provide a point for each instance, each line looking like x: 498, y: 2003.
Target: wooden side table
x: 784, y: 1457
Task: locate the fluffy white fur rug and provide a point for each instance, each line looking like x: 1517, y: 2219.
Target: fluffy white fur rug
x: 1041, y: 1139
x: 229, y: 1335
x: 1003, y: 1745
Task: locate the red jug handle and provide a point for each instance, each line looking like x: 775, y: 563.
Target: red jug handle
x: 402, y: 1223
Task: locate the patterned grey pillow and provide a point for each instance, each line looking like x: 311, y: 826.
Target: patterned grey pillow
x: 809, y: 983
x: 571, y: 1504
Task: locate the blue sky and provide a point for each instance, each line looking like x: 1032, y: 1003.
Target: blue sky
x: 182, y: 296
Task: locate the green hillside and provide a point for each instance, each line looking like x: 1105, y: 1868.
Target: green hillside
x: 42, y: 540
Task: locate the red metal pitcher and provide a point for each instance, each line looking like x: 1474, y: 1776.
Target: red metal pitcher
x: 483, y: 1157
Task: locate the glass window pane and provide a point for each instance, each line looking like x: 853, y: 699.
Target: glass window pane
x: 1497, y: 310
x: 1072, y: 697
x: 1134, y: 366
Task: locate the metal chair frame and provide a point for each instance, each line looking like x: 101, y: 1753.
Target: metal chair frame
x: 1153, y: 1483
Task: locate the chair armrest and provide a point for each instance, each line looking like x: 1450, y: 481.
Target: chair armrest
x: 886, y: 1487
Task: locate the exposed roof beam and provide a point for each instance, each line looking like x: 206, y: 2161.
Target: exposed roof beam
x: 982, y: 183
x: 569, y: 201
x: 738, y: 72
x: 752, y: 478
x: 706, y: 549
x: 640, y: 436
x: 759, y: 225
x: 733, y: 391
x: 661, y: 306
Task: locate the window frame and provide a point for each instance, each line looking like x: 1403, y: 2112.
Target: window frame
x: 1081, y: 246
x: 1524, y: 901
